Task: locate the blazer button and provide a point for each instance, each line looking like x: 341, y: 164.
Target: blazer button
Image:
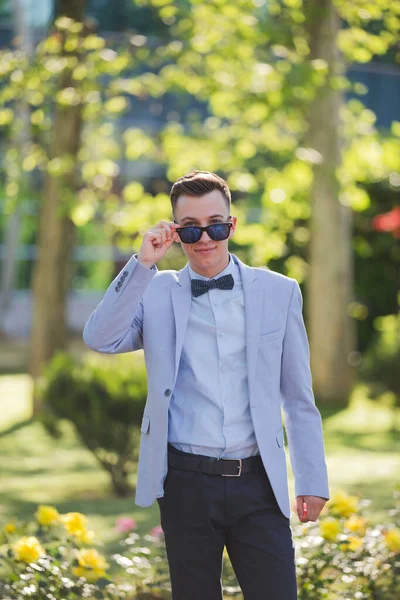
x: 167, y: 392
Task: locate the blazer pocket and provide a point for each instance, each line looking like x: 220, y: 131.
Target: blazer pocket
x: 280, y: 439
x: 145, y: 426
x: 270, y: 337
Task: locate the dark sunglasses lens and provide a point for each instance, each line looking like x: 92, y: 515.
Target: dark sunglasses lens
x: 190, y: 235
x: 219, y: 231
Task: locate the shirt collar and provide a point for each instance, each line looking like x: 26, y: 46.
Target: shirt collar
x: 229, y: 269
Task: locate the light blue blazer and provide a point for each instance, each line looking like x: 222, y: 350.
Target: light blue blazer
x: 149, y: 309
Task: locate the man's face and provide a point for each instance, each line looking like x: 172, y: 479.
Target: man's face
x: 206, y: 257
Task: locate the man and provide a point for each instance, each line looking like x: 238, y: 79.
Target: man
x: 225, y: 348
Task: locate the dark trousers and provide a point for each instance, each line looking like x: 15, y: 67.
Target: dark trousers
x: 200, y: 514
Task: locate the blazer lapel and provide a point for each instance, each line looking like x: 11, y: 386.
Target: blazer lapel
x: 253, y: 301
x: 181, y: 297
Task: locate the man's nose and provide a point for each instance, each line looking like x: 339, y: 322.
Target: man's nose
x: 206, y: 238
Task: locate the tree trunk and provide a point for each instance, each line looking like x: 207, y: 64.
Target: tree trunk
x: 120, y: 483
x: 52, y: 271
x: 118, y: 471
x: 330, y: 284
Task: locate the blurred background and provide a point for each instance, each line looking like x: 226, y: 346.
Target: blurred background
x: 103, y: 104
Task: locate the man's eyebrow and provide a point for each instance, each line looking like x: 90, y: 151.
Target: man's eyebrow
x: 196, y: 220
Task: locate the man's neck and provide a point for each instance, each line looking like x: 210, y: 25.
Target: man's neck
x: 213, y: 271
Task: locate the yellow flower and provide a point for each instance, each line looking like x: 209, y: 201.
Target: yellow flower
x: 393, y: 540
x: 47, y: 515
x: 9, y: 528
x: 91, y: 575
x: 343, y: 505
x: 330, y: 529
x: 89, y: 558
x: 354, y: 544
x: 28, y: 549
x: 92, y: 565
x: 74, y: 522
x: 85, y: 536
x: 356, y: 524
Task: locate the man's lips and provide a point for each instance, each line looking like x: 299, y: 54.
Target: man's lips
x: 205, y: 250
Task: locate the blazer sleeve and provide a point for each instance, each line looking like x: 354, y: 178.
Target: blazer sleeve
x: 302, y: 418
x: 116, y: 325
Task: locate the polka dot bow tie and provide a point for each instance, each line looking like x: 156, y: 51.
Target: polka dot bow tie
x: 201, y: 286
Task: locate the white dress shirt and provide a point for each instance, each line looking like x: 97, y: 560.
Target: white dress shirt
x: 209, y: 412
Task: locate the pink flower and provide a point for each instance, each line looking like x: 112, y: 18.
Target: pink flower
x: 157, y: 531
x: 389, y: 221
x: 125, y: 524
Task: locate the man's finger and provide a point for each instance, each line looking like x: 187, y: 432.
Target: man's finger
x: 169, y: 242
x: 300, y: 512
x: 166, y: 229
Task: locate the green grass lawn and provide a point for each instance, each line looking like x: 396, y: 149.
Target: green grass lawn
x: 362, y: 446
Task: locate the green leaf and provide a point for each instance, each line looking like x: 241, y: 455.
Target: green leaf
x: 93, y: 42
x: 133, y: 192
x: 116, y: 105
x: 82, y: 214
x: 6, y: 116
x: 102, y: 583
x: 395, y: 128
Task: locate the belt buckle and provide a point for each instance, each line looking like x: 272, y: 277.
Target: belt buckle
x: 239, y: 467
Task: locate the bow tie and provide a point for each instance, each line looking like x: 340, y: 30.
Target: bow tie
x: 201, y: 286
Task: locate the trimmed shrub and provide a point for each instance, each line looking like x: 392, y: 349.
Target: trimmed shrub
x: 381, y: 363
x: 104, y: 400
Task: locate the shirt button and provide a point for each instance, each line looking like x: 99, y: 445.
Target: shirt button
x: 167, y: 392
x: 226, y: 430
x: 216, y: 304
x: 224, y: 368
x: 225, y: 400
x: 220, y: 333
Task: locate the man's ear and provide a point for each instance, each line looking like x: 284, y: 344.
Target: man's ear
x: 232, y: 230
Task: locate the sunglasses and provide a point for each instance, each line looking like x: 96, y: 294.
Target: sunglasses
x: 191, y: 234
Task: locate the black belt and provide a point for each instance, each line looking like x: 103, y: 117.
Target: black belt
x: 227, y: 467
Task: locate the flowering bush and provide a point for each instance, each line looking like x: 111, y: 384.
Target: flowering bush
x: 47, y: 559
x: 144, y: 560
x: 343, y: 556
x: 340, y: 557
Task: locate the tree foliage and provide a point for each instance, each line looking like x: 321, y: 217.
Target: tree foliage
x: 241, y: 84
x: 99, y: 85
x: 248, y: 67
x: 238, y: 79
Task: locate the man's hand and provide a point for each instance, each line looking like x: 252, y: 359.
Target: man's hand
x: 309, y: 507
x: 156, y: 242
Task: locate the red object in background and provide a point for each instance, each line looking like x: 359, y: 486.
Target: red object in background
x: 389, y: 221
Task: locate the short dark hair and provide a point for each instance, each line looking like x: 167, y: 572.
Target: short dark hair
x: 198, y: 183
